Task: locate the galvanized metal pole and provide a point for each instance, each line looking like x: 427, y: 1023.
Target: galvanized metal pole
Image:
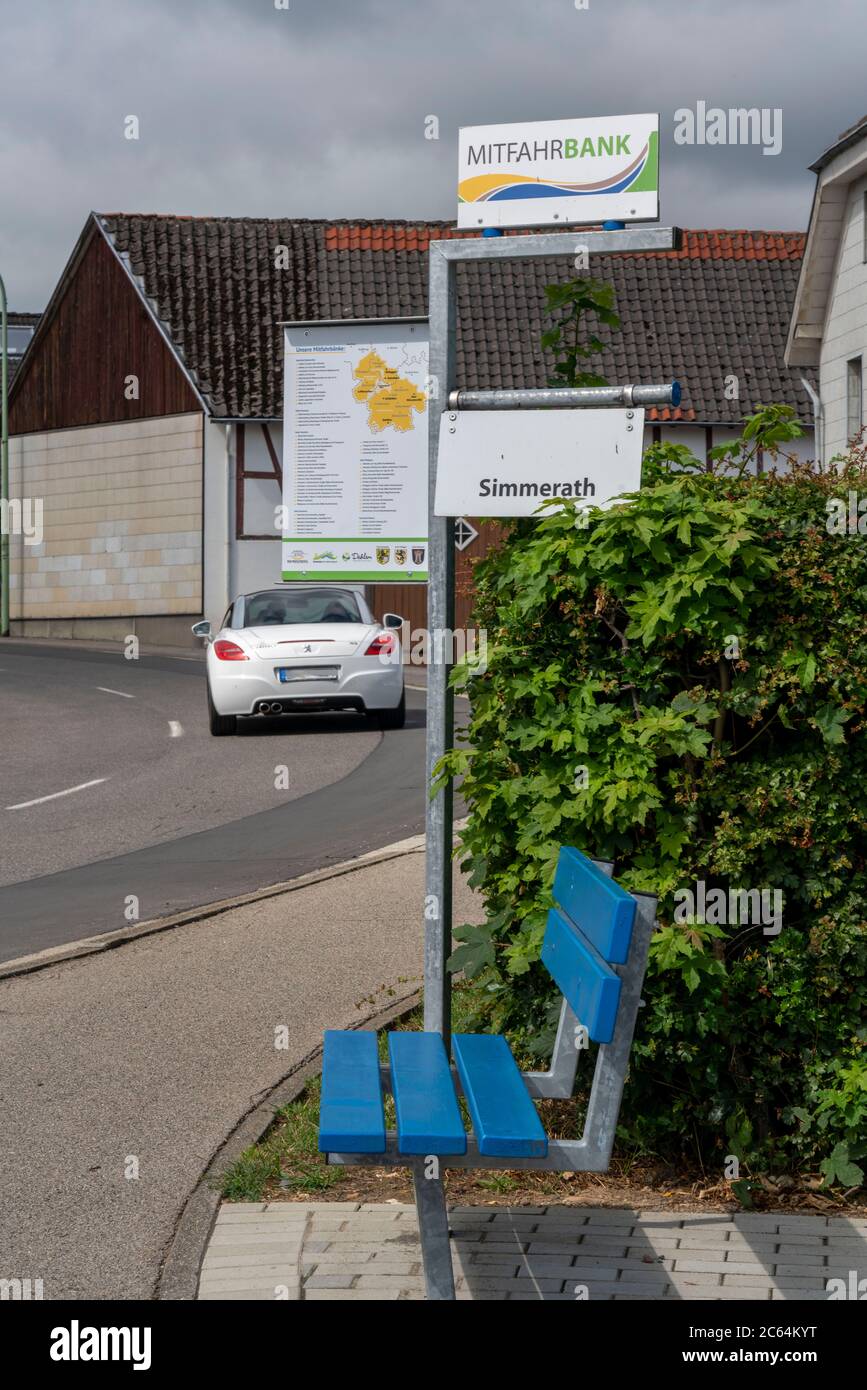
x: 440, y: 622
x: 4, y: 465
x: 441, y: 557
x: 566, y: 397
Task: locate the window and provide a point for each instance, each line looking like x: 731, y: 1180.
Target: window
x: 19, y: 337
x: 854, y: 405
x: 864, y: 227
x: 302, y: 606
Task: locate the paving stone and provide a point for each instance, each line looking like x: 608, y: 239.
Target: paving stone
x: 706, y: 1293
x: 753, y: 1221
x: 803, y: 1224
x: 799, y: 1295
x: 763, y: 1245
x: 643, y: 1272
x: 266, y: 1253
x: 491, y: 1282
x: 353, y: 1295
x: 587, y: 1270
x: 546, y: 1267
x: 246, y: 1294
x: 268, y: 1287
x: 382, y: 1281
x: 246, y: 1271
x: 531, y: 1295
x: 695, y: 1280
x: 233, y: 1211
x: 498, y: 1247
x: 215, y: 1262
x: 330, y: 1281
x: 746, y: 1281
x: 689, y: 1265
x: 803, y: 1267
x: 615, y: 1287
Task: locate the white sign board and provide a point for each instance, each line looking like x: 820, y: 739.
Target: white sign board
x: 556, y: 173
x: 508, y: 462
x: 355, y: 451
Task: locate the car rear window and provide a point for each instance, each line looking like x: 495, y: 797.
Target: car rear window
x: 307, y: 606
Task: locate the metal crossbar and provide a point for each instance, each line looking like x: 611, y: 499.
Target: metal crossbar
x: 566, y: 397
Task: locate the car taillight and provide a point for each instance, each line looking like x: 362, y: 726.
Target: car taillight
x: 382, y: 645
x: 229, y: 651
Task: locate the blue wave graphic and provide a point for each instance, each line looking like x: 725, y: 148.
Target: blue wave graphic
x: 520, y: 191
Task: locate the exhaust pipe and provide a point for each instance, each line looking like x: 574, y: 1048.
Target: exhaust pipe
x: 264, y: 707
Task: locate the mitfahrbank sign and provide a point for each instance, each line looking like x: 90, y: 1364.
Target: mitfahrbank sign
x: 559, y: 172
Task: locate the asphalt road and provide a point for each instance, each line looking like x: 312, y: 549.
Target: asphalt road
x: 155, y: 808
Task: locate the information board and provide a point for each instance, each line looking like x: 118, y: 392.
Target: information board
x: 355, y: 451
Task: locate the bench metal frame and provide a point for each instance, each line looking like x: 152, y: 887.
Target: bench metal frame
x: 592, y: 1152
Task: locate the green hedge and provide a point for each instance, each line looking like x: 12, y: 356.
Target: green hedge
x: 679, y: 684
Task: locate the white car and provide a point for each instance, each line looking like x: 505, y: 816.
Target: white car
x: 300, y: 649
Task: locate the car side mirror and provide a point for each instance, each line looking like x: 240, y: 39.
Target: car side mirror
x: 392, y: 620
x: 202, y: 630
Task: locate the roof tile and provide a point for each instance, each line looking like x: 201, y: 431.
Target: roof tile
x: 717, y: 307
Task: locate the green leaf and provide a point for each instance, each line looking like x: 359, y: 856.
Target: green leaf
x: 475, y: 952
x: 838, y: 1167
x: 829, y: 720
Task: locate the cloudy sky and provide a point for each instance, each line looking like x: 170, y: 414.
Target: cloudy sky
x: 318, y: 108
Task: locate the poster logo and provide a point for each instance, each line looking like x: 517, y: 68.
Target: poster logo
x: 383, y: 554
x: 418, y: 554
x: 400, y: 554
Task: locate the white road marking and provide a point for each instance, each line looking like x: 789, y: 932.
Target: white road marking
x: 106, y: 691
x: 37, y: 801
x: 175, y: 729
x: 423, y: 689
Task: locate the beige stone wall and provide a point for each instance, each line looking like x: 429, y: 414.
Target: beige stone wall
x: 122, y: 520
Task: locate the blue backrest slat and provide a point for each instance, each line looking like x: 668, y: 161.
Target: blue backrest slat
x: 589, y: 984
x: 351, y: 1114
x: 505, y: 1120
x: 600, y: 909
x: 428, y: 1115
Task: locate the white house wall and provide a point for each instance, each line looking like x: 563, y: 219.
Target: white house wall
x: 257, y: 563
x: 845, y: 334
x: 122, y: 518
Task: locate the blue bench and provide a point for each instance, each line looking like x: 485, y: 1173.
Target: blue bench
x: 595, y: 949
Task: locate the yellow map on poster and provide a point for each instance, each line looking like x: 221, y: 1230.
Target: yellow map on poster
x: 390, y: 398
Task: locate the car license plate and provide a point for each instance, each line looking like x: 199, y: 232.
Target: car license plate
x: 285, y: 674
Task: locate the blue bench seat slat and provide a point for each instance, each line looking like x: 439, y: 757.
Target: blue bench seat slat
x: 600, y: 909
x: 589, y: 984
x: 351, y: 1114
x: 505, y: 1119
x: 426, y: 1107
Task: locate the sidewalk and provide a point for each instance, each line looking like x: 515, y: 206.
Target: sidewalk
x: 125, y: 1070
x: 341, y: 1250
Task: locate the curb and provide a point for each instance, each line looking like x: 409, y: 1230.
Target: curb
x: 178, y: 1279
x: 110, y: 941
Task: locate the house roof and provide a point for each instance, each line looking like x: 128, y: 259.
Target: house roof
x: 717, y: 307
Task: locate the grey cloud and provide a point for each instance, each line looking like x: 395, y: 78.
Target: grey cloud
x: 319, y: 110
